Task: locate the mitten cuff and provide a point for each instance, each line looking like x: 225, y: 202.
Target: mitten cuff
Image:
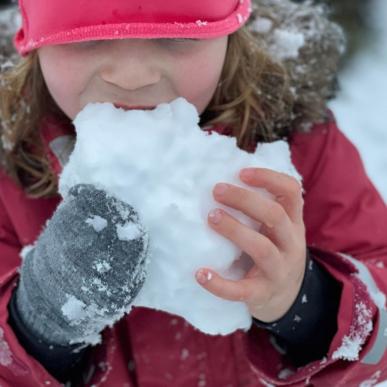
x: 63, y: 362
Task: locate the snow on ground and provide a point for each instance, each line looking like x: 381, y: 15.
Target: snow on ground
x: 361, y: 106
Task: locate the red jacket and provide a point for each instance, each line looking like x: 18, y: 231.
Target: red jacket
x: 343, y: 214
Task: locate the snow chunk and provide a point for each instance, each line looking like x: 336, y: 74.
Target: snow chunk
x: 372, y: 380
x: 10, y: 20
x: 297, y: 318
x: 184, y: 354
x: 77, y: 311
x: 129, y: 231
x: 102, y: 267
x: 165, y: 166
x: 5, y: 353
x: 25, y: 251
x: 378, y: 297
x: 286, y: 44
x: 352, y: 344
x: 265, y: 383
x: 201, y: 23
x: 97, y: 222
x: 101, y: 287
x: 4, y: 66
x: 74, y: 309
x: 262, y: 25
x: 285, y: 373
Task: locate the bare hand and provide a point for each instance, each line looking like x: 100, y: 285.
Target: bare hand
x: 278, y: 249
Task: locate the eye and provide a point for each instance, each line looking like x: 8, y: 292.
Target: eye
x: 178, y: 40
x: 88, y: 43
x: 178, y: 44
x: 184, y: 39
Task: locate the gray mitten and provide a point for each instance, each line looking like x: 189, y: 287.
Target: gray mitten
x: 84, y: 270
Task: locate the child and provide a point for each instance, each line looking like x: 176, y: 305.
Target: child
x: 317, y: 290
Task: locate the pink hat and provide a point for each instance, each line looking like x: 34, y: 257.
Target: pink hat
x: 47, y: 22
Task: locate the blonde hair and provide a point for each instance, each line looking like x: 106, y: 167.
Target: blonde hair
x: 253, y: 100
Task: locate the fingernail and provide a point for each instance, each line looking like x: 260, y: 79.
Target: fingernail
x: 215, y: 216
x: 220, y: 189
x: 246, y: 174
x: 203, y: 276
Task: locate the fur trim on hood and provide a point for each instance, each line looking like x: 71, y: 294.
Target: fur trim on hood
x: 310, y: 46
x: 8, y: 22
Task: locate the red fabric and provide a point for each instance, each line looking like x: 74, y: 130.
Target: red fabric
x: 343, y: 213
x: 63, y: 21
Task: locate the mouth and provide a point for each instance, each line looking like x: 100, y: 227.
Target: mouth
x: 136, y: 107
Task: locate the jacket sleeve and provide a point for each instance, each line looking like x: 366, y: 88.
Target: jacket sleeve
x: 298, y: 332
x: 17, y: 368
x: 346, y: 220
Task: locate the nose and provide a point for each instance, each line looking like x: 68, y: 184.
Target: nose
x: 132, y: 64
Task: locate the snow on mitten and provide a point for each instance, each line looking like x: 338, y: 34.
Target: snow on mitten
x: 84, y: 270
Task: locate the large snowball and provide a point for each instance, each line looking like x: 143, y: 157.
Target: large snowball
x: 165, y: 166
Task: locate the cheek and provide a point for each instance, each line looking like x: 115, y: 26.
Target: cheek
x: 65, y: 81
x: 199, y: 79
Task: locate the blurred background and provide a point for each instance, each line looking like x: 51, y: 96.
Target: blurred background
x: 361, y: 103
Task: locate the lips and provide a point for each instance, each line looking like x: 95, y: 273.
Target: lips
x: 136, y: 107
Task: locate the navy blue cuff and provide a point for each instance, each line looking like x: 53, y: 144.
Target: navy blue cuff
x: 306, y: 331
x: 63, y: 362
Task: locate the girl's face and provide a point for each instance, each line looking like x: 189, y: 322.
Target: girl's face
x: 133, y: 73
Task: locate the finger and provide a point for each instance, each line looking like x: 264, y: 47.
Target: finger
x: 260, y: 209
x: 286, y: 189
x: 261, y: 249
x: 243, y: 290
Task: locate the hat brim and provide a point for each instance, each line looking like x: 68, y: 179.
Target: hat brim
x: 197, y: 30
